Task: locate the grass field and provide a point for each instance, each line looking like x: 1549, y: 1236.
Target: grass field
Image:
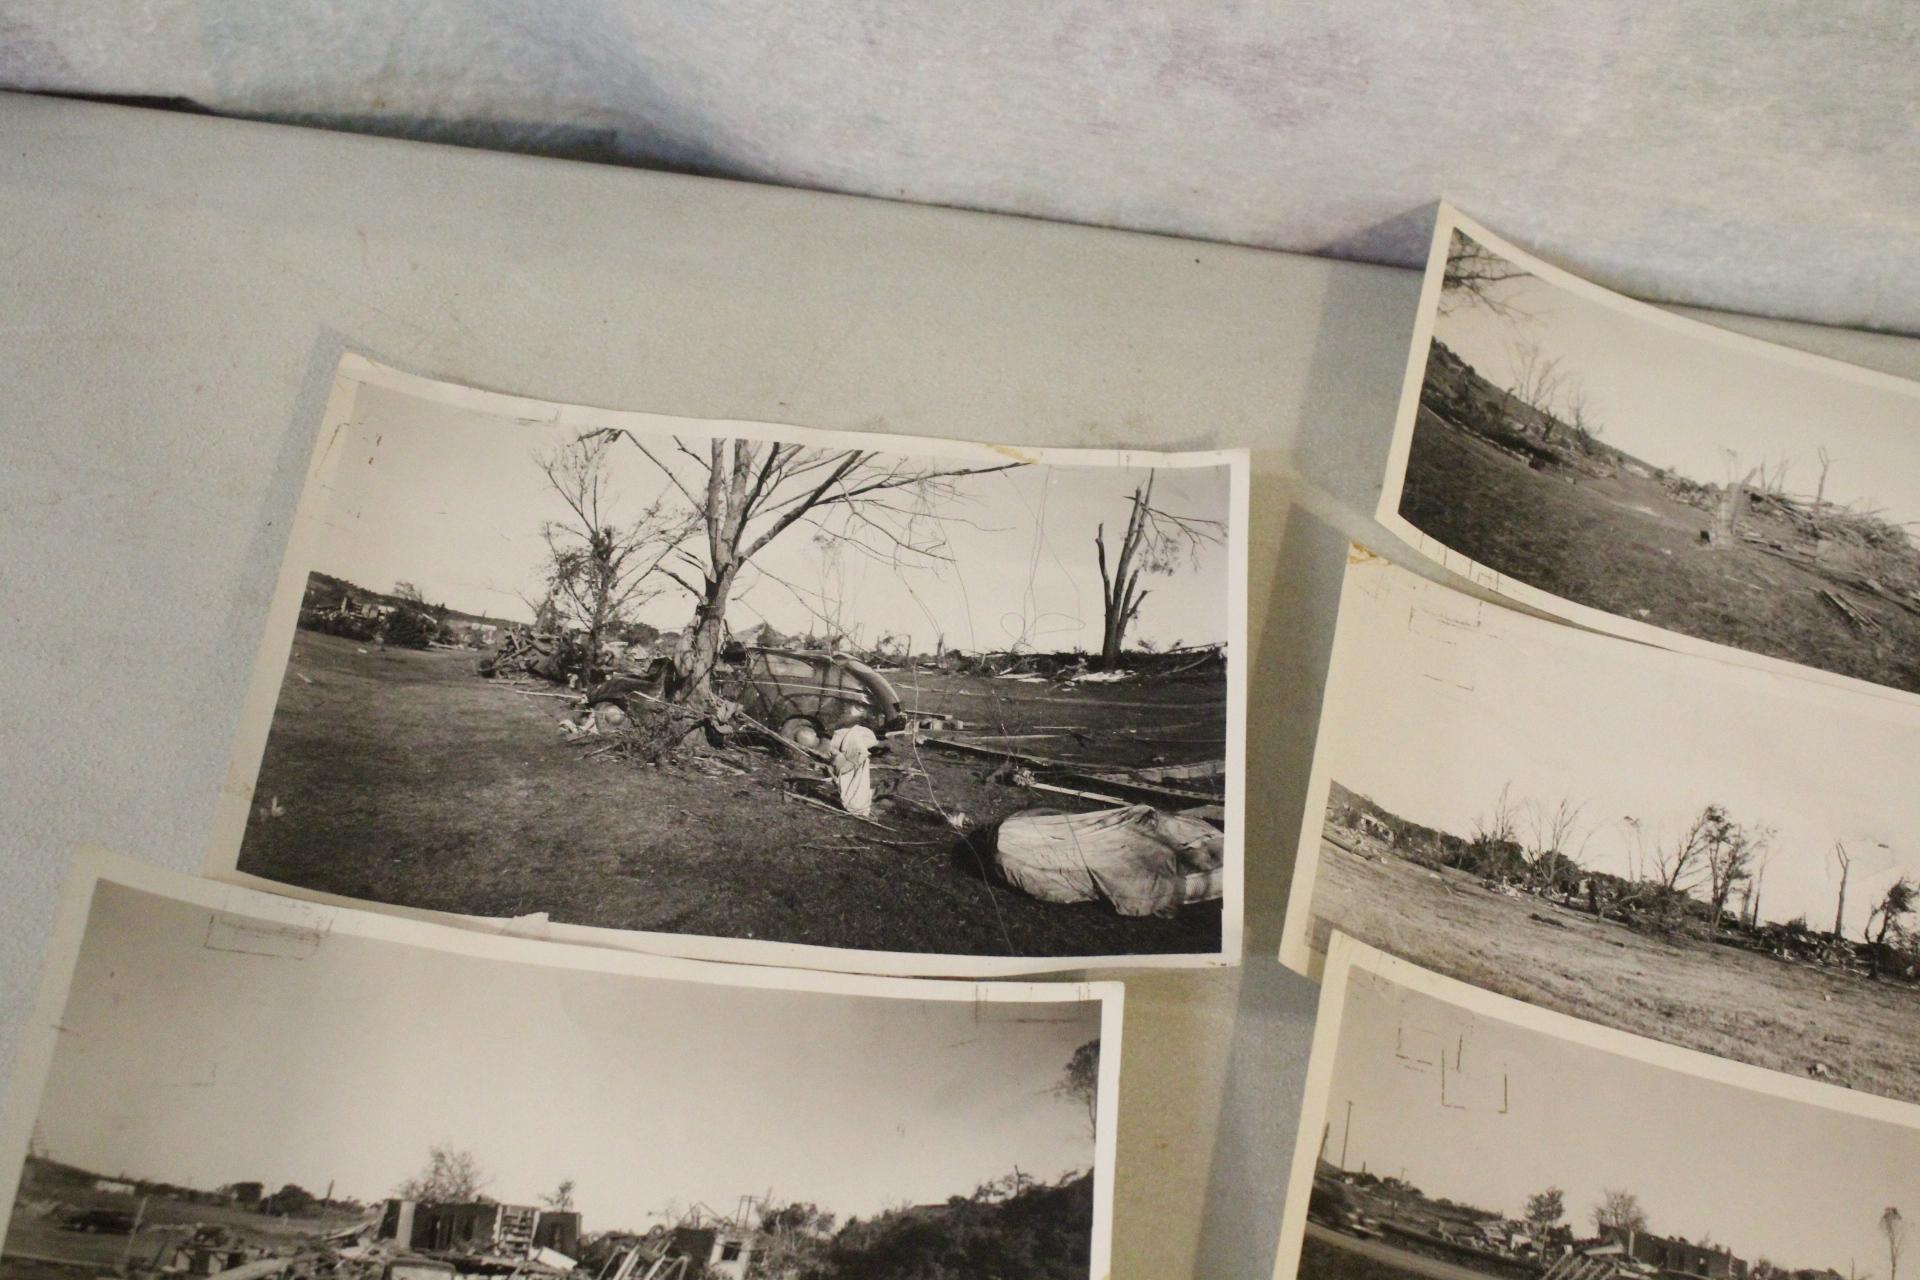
x: 401, y: 777
x: 1725, y: 1000
x: 37, y: 1247
x: 1623, y: 544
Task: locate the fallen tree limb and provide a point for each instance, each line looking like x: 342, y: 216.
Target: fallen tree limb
x: 824, y: 807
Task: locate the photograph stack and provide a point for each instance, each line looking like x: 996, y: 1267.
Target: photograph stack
x: 640, y: 819
x: 1609, y: 871
x: 673, y: 848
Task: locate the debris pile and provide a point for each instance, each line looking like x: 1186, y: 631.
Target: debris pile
x: 1198, y: 661
x: 1645, y: 906
x: 412, y: 1240
x: 829, y: 731
x: 526, y: 653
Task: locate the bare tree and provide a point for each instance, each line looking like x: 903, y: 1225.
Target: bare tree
x: 1537, y: 378
x: 1473, y: 276
x: 1820, y: 492
x: 1577, y: 411
x: 1638, y: 860
x: 1755, y: 883
x: 1550, y: 838
x: 1677, y: 867
x: 561, y: 1198
x: 1894, y: 1228
x: 450, y: 1177
x: 1500, y: 825
x: 1844, y: 861
x: 1715, y: 854
x: 1774, y: 480
x: 1729, y: 851
x: 1619, y: 1211
x: 1155, y: 542
x: 599, y: 567
x: 744, y: 494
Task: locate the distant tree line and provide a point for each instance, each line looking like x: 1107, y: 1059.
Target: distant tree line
x: 1712, y: 870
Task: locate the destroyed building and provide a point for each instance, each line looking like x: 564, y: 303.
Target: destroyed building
x: 726, y: 1250
x: 480, y: 1227
x: 703, y: 1246
x: 1679, y: 1258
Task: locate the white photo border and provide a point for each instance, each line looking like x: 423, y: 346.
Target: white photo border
x: 263, y: 691
x: 92, y: 867
x: 1347, y: 956
x: 1461, y: 567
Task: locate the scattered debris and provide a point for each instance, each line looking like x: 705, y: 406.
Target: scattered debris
x: 848, y: 744
x: 1855, y: 618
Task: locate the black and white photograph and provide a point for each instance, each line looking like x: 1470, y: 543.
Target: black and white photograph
x: 1449, y: 1134
x: 1702, y: 853
x: 249, y: 1086
x: 750, y: 692
x: 1656, y: 477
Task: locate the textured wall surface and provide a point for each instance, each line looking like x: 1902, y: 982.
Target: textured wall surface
x: 180, y: 289
x: 1752, y: 155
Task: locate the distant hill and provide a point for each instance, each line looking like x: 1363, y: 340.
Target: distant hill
x: 1410, y: 839
x: 325, y: 591
x: 45, y: 1175
x: 1460, y: 394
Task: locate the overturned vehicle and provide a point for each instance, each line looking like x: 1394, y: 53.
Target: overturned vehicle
x: 808, y: 697
x: 805, y: 697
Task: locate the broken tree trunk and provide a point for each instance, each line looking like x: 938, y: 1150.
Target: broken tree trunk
x: 1726, y: 519
x: 1120, y: 588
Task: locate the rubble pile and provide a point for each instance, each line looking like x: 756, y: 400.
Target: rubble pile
x: 830, y: 731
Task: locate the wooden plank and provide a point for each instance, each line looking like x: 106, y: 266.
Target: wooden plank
x: 1089, y: 699
x: 993, y: 753
x: 1070, y: 771
x: 1858, y: 620
x: 1114, y: 801
x: 1171, y: 772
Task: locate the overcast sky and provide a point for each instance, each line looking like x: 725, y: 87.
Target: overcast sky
x: 1678, y: 401
x: 451, y: 500
x: 1439, y: 700
x: 1800, y: 1185
x: 204, y: 1066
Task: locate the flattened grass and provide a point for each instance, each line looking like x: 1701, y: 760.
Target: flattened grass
x: 1722, y: 1000
x: 1623, y: 545
x: 401, y: 777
